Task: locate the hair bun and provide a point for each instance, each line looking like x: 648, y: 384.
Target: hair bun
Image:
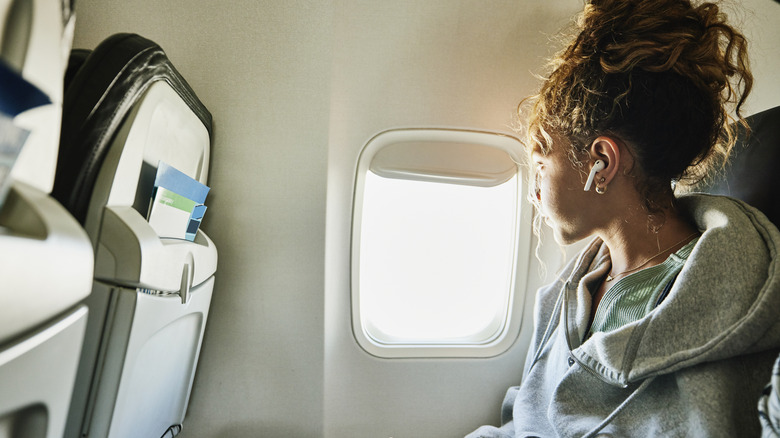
x: 661, y: 74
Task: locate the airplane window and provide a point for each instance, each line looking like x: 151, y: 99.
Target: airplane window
x: 436, y: 235
x: 436, y: 260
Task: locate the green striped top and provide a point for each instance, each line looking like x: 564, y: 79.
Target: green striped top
x: 635, y: 295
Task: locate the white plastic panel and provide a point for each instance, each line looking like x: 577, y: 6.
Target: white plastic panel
x: 131, y: 253
x: 98, y: 302
x: 443, y: 161
x: 144, y: 383
x: 37, y: 375
x: 46, y: 260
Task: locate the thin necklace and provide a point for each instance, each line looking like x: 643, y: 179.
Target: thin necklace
x: 611, y: 277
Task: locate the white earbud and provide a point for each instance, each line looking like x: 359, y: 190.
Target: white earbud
x: 597, y: 167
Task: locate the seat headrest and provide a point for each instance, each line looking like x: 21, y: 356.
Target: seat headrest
x: 753, y: 173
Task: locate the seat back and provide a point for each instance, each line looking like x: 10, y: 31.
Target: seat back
x: 753, y: 173
x: 126, y: 109
x: 46, y: 260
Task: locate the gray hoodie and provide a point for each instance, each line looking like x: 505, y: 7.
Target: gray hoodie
x: 694, y: 366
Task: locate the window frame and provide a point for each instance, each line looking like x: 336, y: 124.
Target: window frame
x: 507, y: 334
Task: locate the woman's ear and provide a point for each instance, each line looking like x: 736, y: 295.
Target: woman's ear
x: 607, y: 150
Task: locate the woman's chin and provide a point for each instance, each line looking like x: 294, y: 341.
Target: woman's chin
x: 562, y: 236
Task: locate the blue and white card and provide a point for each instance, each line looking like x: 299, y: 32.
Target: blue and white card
x: 177, y: 206
x: 179, y: 182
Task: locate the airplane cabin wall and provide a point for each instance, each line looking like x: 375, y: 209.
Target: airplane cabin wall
x: 759, y: 21
x: 412, y: 63
x: 296, y: 88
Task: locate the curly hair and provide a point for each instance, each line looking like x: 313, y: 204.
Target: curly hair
x: 664, y: 76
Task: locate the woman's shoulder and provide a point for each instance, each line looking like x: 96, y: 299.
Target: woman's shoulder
x: 729, y: 221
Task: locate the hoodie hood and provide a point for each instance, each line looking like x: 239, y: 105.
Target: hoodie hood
x: 725, y: 302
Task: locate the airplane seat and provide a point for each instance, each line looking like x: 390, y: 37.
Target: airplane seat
x: 126, y: 110
x: 752, y: 173
x: 752, y: 176
x: 46, y: 258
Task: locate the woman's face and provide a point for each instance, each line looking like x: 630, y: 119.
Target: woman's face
x: 559, y: 190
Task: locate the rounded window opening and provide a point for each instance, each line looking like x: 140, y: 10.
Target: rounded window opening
x: 439, y: 232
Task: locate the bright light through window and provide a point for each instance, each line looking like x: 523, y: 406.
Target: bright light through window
x: 436, y: 260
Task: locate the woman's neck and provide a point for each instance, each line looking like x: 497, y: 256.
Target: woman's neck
x: 634, y: 244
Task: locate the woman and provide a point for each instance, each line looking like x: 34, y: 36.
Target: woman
x: 667, y: 323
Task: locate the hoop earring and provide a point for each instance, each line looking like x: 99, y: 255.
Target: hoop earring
x: 599, y: 188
